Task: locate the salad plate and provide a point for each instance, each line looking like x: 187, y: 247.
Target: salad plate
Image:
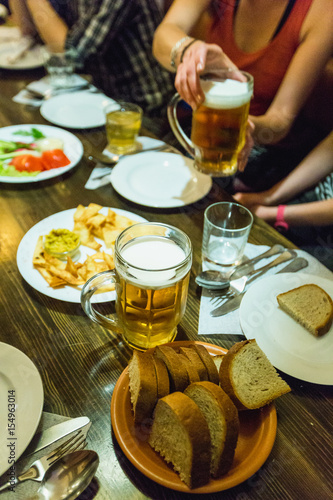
x: 287, y: 344
x: 21, y: 386
x: 28, y: 243
x: 72, y: 148
x: 256, y: 438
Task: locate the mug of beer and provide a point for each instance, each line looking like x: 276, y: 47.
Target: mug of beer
x: 123, y: 122
x: 151, y: 275
x: 219, y: 123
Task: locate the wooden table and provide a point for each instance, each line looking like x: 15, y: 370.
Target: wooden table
x: 73, y: 355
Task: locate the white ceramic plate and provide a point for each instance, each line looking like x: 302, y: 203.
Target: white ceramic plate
x: 18, y: 374
x: 287, y: 344
x: 27, y: 246
x: 159, y: 180
x: 73, y: 149
x: 78, y: 110
x: 10, y: 41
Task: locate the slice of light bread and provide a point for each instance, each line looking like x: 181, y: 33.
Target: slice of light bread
x: 181, y: 436
x: 310, y: 306
x: 249, y: 378
x: 222, y: 418
x: 177, y: 371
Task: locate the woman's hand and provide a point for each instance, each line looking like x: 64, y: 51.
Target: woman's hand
x: 199, y: 58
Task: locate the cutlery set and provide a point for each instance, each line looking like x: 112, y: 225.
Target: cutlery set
x: 228, y: 294
x: 64, y: 471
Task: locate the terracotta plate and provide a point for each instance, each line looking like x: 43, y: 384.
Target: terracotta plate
x: 256, y: 439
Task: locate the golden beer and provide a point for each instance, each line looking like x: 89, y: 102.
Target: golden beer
x: 219, y: 135
x: 219, y: 124
x: 122, y: 127
x: 152, y: 272
x: 150, y: 316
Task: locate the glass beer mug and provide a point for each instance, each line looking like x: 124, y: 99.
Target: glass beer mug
x: 218, y: 124
x: 152, y: 272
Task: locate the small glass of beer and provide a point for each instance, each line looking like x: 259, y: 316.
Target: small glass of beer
x: 152, y: 271
x: 123, y: 123
x: 219, y: 123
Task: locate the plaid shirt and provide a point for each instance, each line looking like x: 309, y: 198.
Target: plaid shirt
x: 112, y: 40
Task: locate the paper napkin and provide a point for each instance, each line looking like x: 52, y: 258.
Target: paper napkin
x: 100, y: 176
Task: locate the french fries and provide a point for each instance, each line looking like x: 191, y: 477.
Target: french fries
x: 88, y: 224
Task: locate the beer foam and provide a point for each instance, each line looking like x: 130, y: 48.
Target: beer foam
x: 153, y: 254
x: 225, y: 95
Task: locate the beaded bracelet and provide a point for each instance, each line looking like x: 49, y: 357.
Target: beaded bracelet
x: 174, y: 50
x: 185, y: 49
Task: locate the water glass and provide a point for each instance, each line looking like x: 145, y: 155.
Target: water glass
x: 60, y: 68
x: 123, y: 122
x: 227, y: 227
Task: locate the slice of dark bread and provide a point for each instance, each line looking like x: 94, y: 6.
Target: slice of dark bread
x: 207, y: 359
x: 192, y: 373
x: 195, y: 359
x: 181, y: 436
x: 249, y: 378
x: 177, y: 371
x: 143, y: 385
x: 162, y: 375
x: 222, y: 418
x: 310, y: 306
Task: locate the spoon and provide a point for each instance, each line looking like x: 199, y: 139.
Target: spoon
x: 213, y: 280
x: 69, y: 476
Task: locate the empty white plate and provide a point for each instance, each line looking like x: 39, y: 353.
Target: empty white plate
x: 159, y: 180
x: 79, y: 110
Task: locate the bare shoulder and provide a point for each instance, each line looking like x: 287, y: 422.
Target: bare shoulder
x: 319, y: 20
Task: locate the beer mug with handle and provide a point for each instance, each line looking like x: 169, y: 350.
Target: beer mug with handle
x: 151, y: 275
x: 219, y: 123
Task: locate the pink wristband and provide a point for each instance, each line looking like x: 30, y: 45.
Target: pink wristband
x: 280, y: 223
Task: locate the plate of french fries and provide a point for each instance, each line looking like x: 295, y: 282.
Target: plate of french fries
x: 97, y: 227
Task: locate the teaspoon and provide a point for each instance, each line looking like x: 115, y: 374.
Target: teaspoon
x: 213, y: 280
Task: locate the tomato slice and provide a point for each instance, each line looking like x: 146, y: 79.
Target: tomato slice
x: 27, y: 163
x: 54, y: 158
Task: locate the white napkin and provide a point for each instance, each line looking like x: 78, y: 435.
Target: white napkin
x: 21, y: 48
x: 44, y: 88
x: 30, y: 488
x: 229, y: 324
x: 100, y: 176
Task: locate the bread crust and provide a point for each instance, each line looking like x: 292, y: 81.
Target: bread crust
x: 195, y: 427
x: 177, y: 371
x: 163, y: 382
x: 196, y: 361
x: 206, y: 358
x: 229, y: 415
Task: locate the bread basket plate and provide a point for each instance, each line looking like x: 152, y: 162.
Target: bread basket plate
x: 288, y: 346
x: 256, y: 439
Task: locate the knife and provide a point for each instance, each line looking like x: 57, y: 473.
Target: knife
x: 56, y: 432
x: 234, y: 303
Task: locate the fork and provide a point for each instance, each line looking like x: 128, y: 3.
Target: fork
x: 111, y: 161
x: 37, y: 470
x: 238, y: 285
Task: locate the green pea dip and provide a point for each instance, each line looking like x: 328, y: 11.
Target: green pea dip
x: 61, y: 241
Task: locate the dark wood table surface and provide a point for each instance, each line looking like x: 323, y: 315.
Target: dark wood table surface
x: 74, y: 356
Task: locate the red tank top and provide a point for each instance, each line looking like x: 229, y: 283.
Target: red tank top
x: 269, y: 64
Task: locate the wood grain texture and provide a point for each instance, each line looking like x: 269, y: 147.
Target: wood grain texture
x: 80, y: 362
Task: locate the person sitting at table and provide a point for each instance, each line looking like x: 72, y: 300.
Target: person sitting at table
x: 284, y: 44
x: 110, y: 40
x: 307, y: 219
